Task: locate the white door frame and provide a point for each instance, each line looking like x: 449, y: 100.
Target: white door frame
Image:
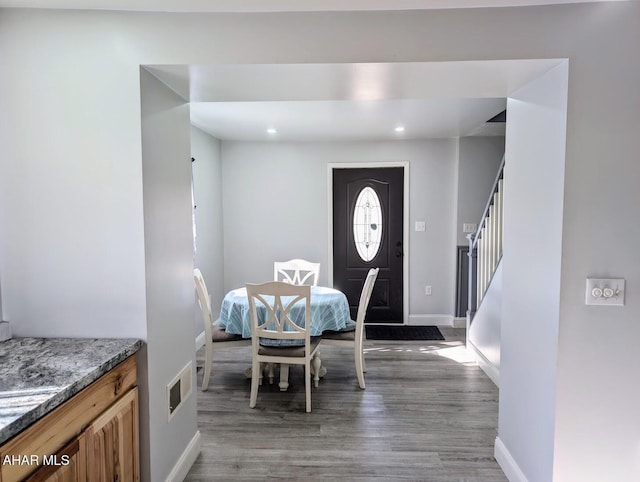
x: 405, y: 221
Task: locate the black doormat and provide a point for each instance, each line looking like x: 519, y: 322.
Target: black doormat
x: 383, y: 332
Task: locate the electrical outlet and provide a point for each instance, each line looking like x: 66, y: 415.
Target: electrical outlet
x: 427, y: 290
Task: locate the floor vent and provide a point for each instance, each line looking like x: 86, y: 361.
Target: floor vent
x: 179, y: 389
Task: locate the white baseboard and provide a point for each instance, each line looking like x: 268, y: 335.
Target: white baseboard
x: 485, y: 365
x: 5, y: 330
x: 460, y: 322
x: 199, y: 341
x: 200, y: 338
x: 186, y: 460
x: 430, y: 320
x: 507, y: 463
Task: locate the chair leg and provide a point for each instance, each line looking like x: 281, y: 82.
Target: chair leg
x: 359, y: 359
x: 208, y: 355
x: 256, y: 377
x: 307, y: 386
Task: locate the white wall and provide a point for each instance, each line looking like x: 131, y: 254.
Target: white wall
x: 275, y: 199
x: 70, y: 182
x: 166, y: 165
x: 207, y: 180
x: 478, y: 162
x: 71, y: 177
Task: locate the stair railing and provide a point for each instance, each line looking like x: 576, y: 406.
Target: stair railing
x: 485, y: 245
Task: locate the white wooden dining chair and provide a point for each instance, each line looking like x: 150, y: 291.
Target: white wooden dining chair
x: 296, y: 272
x: 214, y: 334
x: 353, y: 336
x: 273, y: 317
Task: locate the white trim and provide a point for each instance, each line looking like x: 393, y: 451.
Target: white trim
x: 405, y: 221
x: 485, y: 365
x: 200, y: 340
x: 460, y: 322
x: 507, y: 463
x: 430, y: 320
x: 186, y: 460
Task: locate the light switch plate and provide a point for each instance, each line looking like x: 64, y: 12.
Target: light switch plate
x: 469, y: 228
x: 605, y: 291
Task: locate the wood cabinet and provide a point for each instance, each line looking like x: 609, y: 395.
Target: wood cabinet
x: 68, y: 465
x: 91, y: 437
x: 112, y: 442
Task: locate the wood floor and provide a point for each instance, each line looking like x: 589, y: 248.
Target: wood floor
x: 426, y: 415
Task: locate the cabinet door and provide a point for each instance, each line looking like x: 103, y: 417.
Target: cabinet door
x: 112, y: 443
x: 68, y: 465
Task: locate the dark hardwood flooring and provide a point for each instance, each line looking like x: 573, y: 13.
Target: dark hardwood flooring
x: 426, y: 415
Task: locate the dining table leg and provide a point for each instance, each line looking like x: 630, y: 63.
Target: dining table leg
x: 284, y: 377
x: 316, y: 365
x: 322, y: 370
x: 317, y: 370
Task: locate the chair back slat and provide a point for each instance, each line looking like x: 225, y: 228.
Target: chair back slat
x: 296, y: 272
x: 280, y: 310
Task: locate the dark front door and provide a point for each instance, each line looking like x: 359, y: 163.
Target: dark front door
x: 368, y: 233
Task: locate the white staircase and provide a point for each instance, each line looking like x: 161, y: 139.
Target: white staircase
x: 485, y: 283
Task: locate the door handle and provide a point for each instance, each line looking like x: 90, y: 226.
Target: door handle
x: 399, y: 252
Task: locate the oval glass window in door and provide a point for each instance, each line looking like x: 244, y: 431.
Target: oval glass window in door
x: 367, y: 224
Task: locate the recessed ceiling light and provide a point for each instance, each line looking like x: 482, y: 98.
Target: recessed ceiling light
x: 399, y: 129
x: 271, y: 130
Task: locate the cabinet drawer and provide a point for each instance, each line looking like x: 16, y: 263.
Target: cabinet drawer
x: 53, y: 431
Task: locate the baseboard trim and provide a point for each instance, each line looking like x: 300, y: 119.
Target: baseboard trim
x: 430, y: 320
x: 507, y: 463
x: 460, y: 322
x: 485, y: 365
x: 186, y: 460
x: 200, y: 341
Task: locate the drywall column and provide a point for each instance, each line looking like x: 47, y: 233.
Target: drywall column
x: 166, y: 174
x: 535, y: 156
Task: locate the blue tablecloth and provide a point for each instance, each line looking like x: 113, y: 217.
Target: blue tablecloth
x: 329, y: 311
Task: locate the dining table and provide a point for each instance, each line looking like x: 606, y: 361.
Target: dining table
x: 329, y: 312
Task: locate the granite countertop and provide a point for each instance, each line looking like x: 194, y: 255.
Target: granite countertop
x: 39, y: 374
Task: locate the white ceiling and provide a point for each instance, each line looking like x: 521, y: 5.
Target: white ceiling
x: 272, y: 5
x: 347, y: 102
x: 321, y: 102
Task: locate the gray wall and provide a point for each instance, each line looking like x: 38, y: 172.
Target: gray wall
x: 207, y: 180
x: 478, y: 162
x: 73, y: 260
x: 275, y: 199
